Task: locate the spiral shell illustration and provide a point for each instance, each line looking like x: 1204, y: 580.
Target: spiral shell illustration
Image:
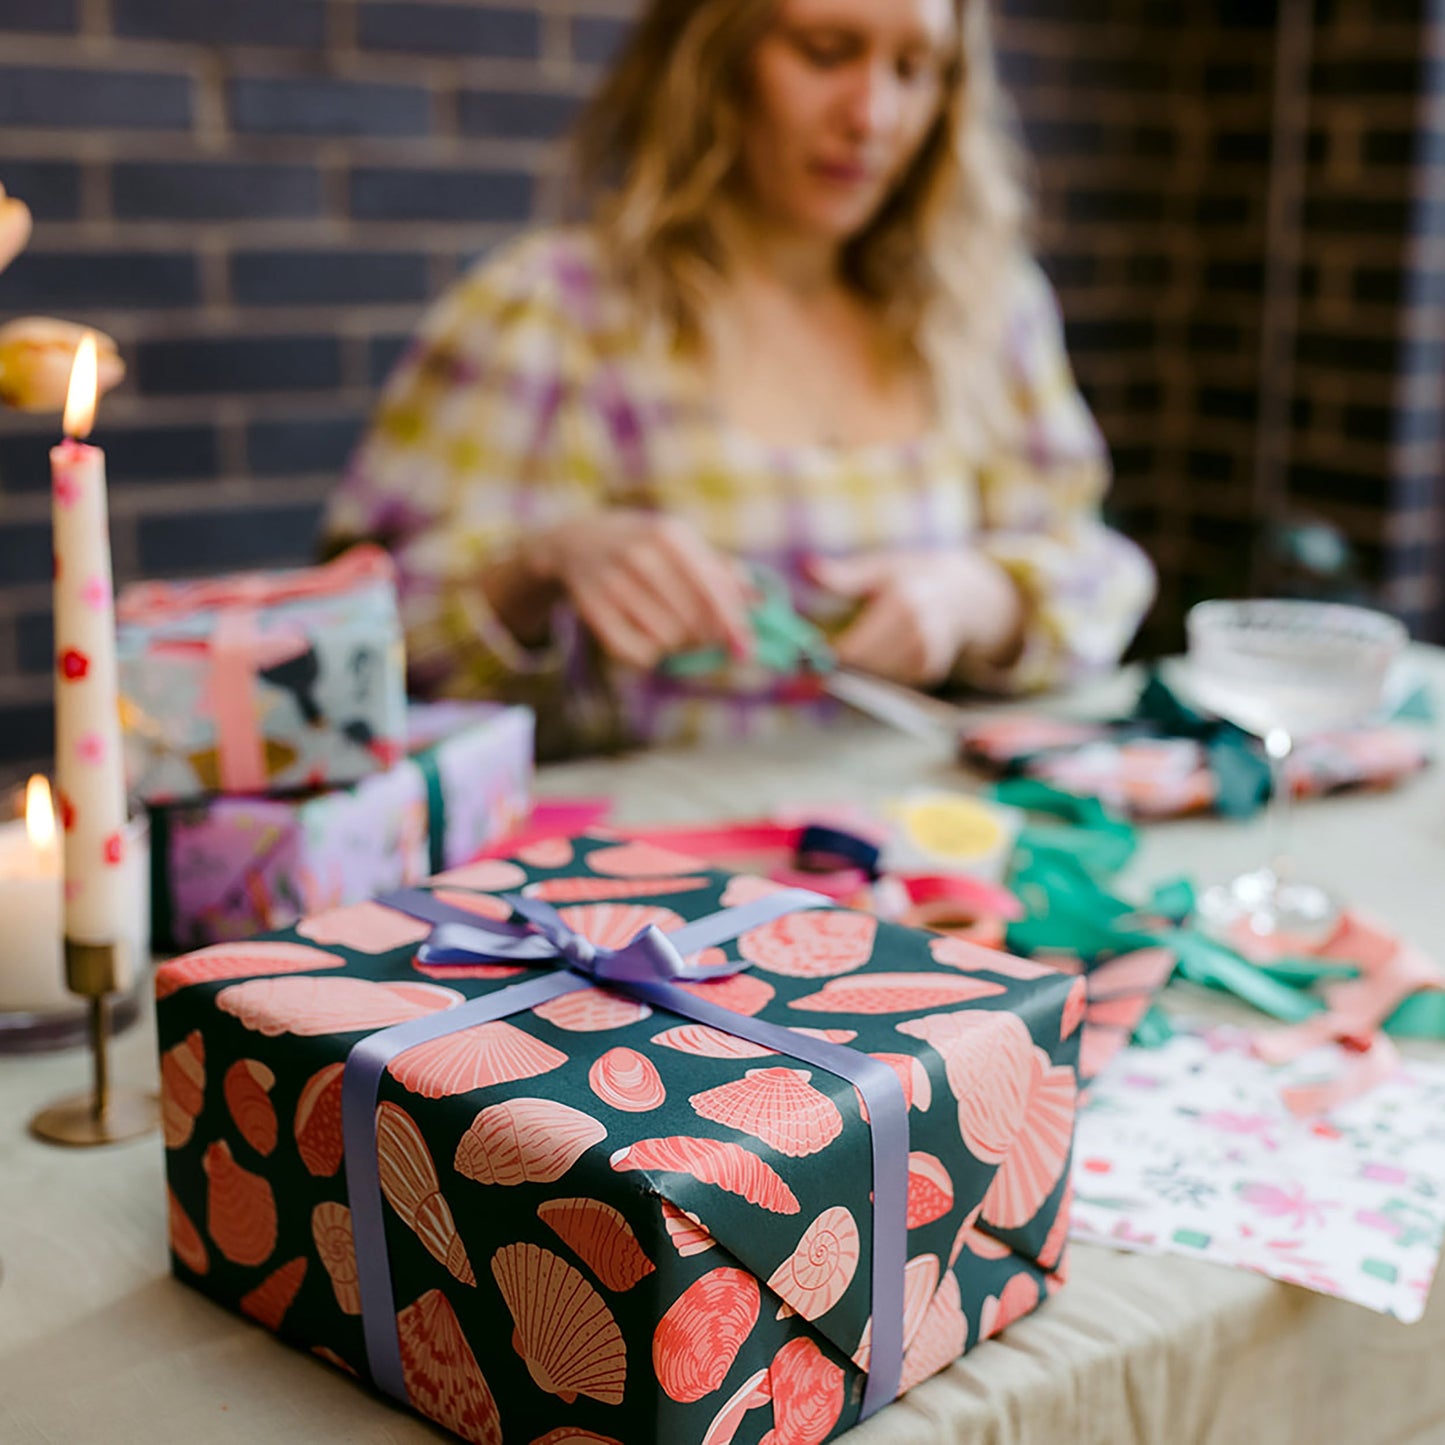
x: 807, y: 1389
x: 564, y: 1331
x: 713, y: 1161
x: 894, y: 993
x: 317, y: 1126
x: 600, y: 1237
x: 247, y: 1087
x: 687, y: 1232
x: 336, y: 1249
x: 641, y: 860
x: 811, y: 945
x: 743, y: 993
x: 409, y: 1182
x: 183, y: 1088
x: 474, y: 1058
x: 698, y: 1339
x: 443, y: 1380
x: 523, y: 1140
x: 778, y: 1106
x: 818, y: 1272
x: 240, y: 960
x: 627, y: 1080
x: 268, y: 1302
x: 311, y: 1006
x: 591, y: 1010
x: 1040, y: 1149
x: 366, y: 927
x: 185, y: 1239
x: 930, y: 1190
x: 941, y: 1336
x: 240, y: 1208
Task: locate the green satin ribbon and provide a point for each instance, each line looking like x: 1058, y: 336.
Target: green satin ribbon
x: 436, y: 808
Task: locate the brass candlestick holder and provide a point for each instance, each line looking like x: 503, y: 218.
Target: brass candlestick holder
x: 102, y: 1115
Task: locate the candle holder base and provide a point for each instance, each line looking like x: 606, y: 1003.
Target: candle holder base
x: 128, y: 1114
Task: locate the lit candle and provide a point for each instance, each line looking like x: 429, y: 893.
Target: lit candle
x: 32, y: 979
x: 88, y: 764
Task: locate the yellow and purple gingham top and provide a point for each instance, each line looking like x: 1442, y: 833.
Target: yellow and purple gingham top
x: 532, y: 393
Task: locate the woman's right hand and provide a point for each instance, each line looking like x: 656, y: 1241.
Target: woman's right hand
x: 645, y: 585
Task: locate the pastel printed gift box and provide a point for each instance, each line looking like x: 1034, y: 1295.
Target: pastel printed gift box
x: 228, y: 868
x: 604, y: 1223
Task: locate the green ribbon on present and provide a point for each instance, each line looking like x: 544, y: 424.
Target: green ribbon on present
x: 436, y: 807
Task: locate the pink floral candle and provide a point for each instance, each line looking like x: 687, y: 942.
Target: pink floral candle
x: 88, y: 763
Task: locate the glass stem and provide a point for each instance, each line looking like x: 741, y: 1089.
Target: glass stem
x: 1278, y: 744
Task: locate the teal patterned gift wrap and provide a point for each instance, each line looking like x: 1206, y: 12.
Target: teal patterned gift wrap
x: 262, y: 682
x: 614, y: 1215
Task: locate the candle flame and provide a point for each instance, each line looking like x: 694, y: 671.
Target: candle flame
x: 80, y: 399
x: 39, y: 813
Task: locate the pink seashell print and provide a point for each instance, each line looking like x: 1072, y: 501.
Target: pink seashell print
x: 240, y: 960
x: 941, y: 1336
x: 1019, y: 1296
x: 600, y: 1237
x: 484, y: 905
x: 807, y: 1390
x: 240, y: 1208
x: 526, y: 1140
x: 1040, y: 1150
x: 546, y: 853
x: 778, y: 1106
x: 611, y: 925
x: 641, y: 860
x: 366, y: 927
x: 317, y: 1126
x: 930, y: 1190
x: 912, y: 1077
x: 336, y: 1248
x: 1051, y: 1256
x: 1075, y: 1006
x: 331, y: 1358
x: 743, y: 993
x: 829, y: 1036
x: 591, y: 1011
x: 467, y: 970
x: 697, y: 1341
x: 686, y: 1231
x: 268, y: 1302
x: 978, y: 1244
x: 247, y: 1087
x: 183, y: 1089
x: 817, y: 944
x: 571, y: 1435
x: 894, y: 993
x: 564, y: 1331
x: 712, y: 1161
x: 920, y: 1282
x: 442, y: 1378
x: 756, y: 1390
x: 748, y: 888
x: 818, y: 1272
x: 595, y: 890
x: 308, y: 1007
x: 410, y: 1185
x: 969, y: 957
x: 185, y: 1239
x: 487, y: 875
x: 705, y: 1042
x: 474, y: 1058
x: 627, y: 1080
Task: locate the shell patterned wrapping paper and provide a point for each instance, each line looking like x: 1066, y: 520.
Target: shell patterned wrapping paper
x: 604, y: 1222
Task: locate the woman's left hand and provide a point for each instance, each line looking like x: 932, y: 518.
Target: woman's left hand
x: 922, y: 610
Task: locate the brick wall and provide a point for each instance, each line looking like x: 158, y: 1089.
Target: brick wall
x: 257, y: 200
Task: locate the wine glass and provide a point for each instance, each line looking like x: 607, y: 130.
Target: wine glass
x: 1282, y: 670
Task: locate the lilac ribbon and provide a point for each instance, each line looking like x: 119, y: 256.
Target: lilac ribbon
x: 644, y: 969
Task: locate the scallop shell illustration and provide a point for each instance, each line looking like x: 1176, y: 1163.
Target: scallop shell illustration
x: 687, y: 1232
x: 487, y: 875
x: 1052, y: 1253
x: 522, y: 1140
x: 941, y: 1336
x: 807, y: 1389
x: 481, y: 905
x: 442, y: 1378
x: 818, y: 1272
x: 311, y: 1006
x: 1040, y: 1149
x: 564, y: 1330
x: 754, y: 1391
x: 366, y: 927
x: 474, y: 1058
x: 240, y: 960
x: 641, y: 860
x: 698, y: 1339
x: 705, y: 1042
x: 712, y: 1161
x: 611, y: 925
x: 627, y: 1080
x: 920, y: 1281
x: 570, y: 1434
x: 591, y: 1011
x: 240, y: 1208
x: 819, y: 944
x: 409, y: 1182
x: 600, y: 1237
x: 186, y: 1242
x: 268, y: 1302
x: 970, y: 957
x: 317, y: 1126
x: 743, y: 993
x: 467, y: 970
x: 183, y: 1088
x: 748, y: 888
x: 247, y: 1087
x: 930, y: 1190
x: 778, y: 1106
x: 894, y: 993
x: 1074, y: 1008
x: 336, y: 1249
x: 1019, y: 1296
x: 546, y: 853
x: 594, y: 890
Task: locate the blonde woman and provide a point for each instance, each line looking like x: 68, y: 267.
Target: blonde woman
x: 798, y: 330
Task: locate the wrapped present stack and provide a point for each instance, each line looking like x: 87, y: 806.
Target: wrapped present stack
x: 596, y: 1143
x: 267, y: 728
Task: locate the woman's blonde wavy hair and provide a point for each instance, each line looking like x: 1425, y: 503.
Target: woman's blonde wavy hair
x: 660, y: 144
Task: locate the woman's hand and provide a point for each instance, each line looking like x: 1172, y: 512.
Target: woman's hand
x: 922, y: 610
x: 645, y: 585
